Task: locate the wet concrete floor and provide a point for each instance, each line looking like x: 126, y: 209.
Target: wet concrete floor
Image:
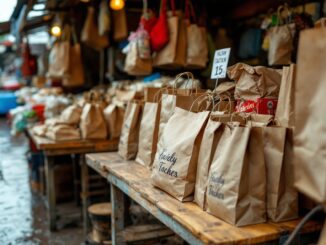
x: 23, y: 218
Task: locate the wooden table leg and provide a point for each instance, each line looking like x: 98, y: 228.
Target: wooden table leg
x: 50, y: 191
x: 117, y: 216
x: 84, y: 194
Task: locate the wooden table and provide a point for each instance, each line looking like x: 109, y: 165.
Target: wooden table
x: 186, y: 219
x: 51, y: 149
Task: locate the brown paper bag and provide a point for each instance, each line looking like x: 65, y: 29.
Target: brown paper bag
x: 310, y: 115
x: 197, y: 50
x: 322, y: 238
x: 237, y: 181
x: 148, y: 134
x: 282, y: 197
x: 120, y: 28
x: 75, y: 76
x: 280, y: 44
x: 174, y: 167
x: 58, y: 59
x: 135, y: 65
x: 113, y: 115
x: 128, y: 144
x: 90, y: 34
x: 255, y: 82
x: 92, y: 123
x: 173, y: 55
x: 212, y: 134
x: 71, y: 115
x: 285, y: 110
x: 62, y: 132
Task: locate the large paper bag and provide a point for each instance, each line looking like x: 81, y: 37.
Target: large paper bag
x: 120, y: 27
x: 285, y: 106
x: 173, y: 55
x: 90, y: 34
x: 134, y: 64
x: 282, y: 197
x: 310, y: 115
x: 128, y: 144
x: 58, y: 59
x: 280, y: 44
x: 92, y: 123
x: 148, y: 134
x: 75, y: 76
x: 113, y: 115
x: 237, y: 181
x: 211, y: 136
x: 175, y: 163
x: 197, y: 50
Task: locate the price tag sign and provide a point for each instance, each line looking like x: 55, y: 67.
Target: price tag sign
x: 220, y: 64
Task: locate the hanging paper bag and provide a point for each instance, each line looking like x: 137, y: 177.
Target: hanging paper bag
x: 58, y: 59
x: 174, y: 167
x: 134, y: 64
x: 280, y: 42
x: 104, y: 23
x: 90, y: 34
x: 75, y: 76
x: 197, y: 50
x: 120, y: 27
x: 173, y: 55
x: 237, y: 180
x: 128, y: 144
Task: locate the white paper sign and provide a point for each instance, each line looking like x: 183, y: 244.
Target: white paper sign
x: 220, y: 64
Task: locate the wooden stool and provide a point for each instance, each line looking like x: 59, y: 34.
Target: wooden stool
x: 100, y: 216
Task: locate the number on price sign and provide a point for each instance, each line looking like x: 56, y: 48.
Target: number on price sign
x: 221, y: 59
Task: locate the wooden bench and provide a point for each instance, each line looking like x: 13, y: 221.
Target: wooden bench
x: 185, y: 219
x: 51, y: 149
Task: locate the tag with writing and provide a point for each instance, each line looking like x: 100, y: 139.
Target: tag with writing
x: 220, y: 64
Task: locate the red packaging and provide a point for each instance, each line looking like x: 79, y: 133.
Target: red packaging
x: 261, y: 106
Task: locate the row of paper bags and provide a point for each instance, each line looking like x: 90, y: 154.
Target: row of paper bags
x: 92, y: 119
x: 225, y: 162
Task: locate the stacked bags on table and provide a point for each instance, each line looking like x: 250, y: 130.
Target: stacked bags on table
x: 93, y: 117
x: 234, y: 165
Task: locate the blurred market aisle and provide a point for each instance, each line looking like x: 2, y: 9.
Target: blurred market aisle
x: 23, y: 214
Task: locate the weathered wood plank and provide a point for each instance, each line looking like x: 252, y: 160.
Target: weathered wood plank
x: 117, y: 217
x: 82, y: 146
x: 187, y: 219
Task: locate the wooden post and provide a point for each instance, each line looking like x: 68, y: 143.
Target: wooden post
x: 50, y: 191
x: 117, y: 217
x: 84, y: 189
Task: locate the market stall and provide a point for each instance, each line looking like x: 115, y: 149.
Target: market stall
x: 172, y: 121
